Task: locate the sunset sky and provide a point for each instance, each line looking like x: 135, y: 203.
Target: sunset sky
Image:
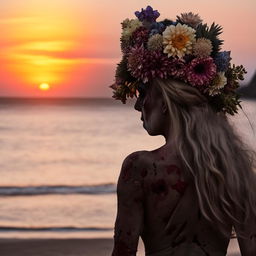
x: 73, y: 46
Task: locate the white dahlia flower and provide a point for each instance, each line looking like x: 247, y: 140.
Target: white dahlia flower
x: 178, y: 40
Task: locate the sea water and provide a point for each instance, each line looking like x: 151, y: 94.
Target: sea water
x: 60, y: 160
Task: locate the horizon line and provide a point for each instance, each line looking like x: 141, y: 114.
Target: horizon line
x: 52, y: 97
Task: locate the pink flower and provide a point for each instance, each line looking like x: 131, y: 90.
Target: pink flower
x: 177, y: 68
x: 140, y: 36
x: 201, y: 71
x: 146, y: 65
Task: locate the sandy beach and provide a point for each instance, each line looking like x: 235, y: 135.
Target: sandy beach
x: 55, y: 247
x: 67, y: 247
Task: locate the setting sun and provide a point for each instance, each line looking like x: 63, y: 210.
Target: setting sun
x: 44, y: 87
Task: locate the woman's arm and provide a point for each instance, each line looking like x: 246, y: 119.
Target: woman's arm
x: 129, y: 220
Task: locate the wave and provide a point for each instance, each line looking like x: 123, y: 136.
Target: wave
x: 48, y: 229
x: 108, y: 188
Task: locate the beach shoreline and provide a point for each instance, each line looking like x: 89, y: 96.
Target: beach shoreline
x: 70, y: 247
x: 56, y: 247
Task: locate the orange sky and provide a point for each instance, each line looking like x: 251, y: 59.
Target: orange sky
x: 74, y: 45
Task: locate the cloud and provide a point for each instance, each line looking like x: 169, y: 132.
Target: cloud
x: 59, y: 49
x: 19, y: 20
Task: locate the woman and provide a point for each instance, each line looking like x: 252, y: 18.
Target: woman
x: 185, y: 197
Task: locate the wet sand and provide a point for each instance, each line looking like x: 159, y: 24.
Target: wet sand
x: 70, y: 247
x: 55, y: 247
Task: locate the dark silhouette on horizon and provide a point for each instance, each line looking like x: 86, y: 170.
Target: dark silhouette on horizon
x: 249, y: 90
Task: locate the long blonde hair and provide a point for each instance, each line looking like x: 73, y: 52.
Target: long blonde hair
x: 221, y: 164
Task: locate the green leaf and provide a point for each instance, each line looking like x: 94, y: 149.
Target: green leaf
x: 212, y: 33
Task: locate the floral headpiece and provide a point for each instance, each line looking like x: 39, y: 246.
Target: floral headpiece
x: 185, y: 49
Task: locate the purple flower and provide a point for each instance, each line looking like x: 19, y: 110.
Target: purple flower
x: 145, y: 65
x: 200, y: 72
x: 153, y: 32
x: 167, y: 22
x: 222, y: 60
x: 177, y: 68
x: 140, y: 36
x: 126, y: 46
x: 157, y: 28
x: 148, y: 14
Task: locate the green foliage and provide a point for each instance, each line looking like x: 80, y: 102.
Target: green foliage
x: 212, y: 34
x: 231, y: 103
x: 228, y: 101
x: 234, y: 74
x: 122, y: 71
x: 124, y: 90
x: 167, y: 22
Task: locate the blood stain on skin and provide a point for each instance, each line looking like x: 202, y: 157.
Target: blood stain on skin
x: 180, y: 186
x: 126, y: 174
x: 160, y: 187
x: 144, y: 173
x: 172, y: 168
x: 158, y: 156
x: 128, y: 166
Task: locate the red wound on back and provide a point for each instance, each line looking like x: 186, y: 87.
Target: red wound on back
x: 159, y: 187
x: 128, y: 166
x: 144, y: 173
x: 126, y: 175
x: 180, y: 186
x: 172, y: 168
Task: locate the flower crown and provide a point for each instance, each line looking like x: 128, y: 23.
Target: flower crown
x: 185, y: 49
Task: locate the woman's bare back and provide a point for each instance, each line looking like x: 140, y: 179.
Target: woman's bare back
x: 158, y: 202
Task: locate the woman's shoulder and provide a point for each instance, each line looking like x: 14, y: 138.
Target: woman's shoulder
x: 154, y: 159
x: 134, y: 164
x: 138, y: 155
x: 142, y: 158
x: 136, y: 159
x: 129, y: 173
x: 159, y: 154
x: 145, y: 157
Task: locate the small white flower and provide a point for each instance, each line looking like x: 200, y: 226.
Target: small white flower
x: 190, y: 18
x: 129, y: 26
x: 202, y: 47
x: 155, y: 42
x: 218, y: 83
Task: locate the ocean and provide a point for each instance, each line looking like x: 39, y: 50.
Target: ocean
x: 60, y: 160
